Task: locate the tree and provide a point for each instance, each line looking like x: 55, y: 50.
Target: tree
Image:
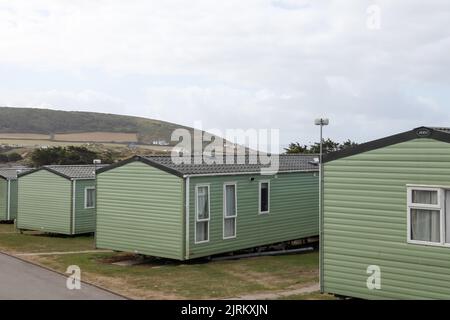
x: 14, y: 156
x: 296, y: 147
x: 78, y: 155
x: 328, y: 146
x: 348, y: 144
x: 10, y: 157
x: 53, y: 155
x: 109, y: 156
x: 66, y: 156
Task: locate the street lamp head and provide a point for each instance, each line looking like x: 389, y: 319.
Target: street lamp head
x: 321, y: 122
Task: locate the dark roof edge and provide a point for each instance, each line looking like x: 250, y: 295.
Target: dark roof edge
x: 43, y: 168
x: 143, y: 160
x: 247, y: 173
x: 417, y: 133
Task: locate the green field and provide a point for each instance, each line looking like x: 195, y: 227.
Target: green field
x: 164, y: 279
x: 310, y: 296
x: 4, y: 227
x: 51, y: 143
x: 34, y: 123
x: 30, y: 242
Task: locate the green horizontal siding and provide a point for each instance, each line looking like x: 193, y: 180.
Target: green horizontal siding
x: 294, y: 211
x: 84, y: 218
x: 365, y: 222
x: 140, y: 209
x: 3, y: 200
x: 44, y: 202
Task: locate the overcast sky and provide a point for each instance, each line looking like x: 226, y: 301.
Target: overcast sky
x: 234, y: 64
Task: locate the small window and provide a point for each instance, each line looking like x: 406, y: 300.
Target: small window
x: 89, y: 198
x: 425, y: 196
x: 202, y: 214
x: 264, y: 196
x: 425, y: 215
x: 229, y: 210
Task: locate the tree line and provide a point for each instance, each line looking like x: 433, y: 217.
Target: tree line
x: 70, y: 155
x: 328, y: 146
x: 10, y: 157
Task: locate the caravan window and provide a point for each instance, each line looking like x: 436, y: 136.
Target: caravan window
x: 428, y: 215
x: 202, y: 213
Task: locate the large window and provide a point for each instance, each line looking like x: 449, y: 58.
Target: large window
x: 89, y: 198
x: 202, y: 215
x: 229, y: 210
x: 264, y: 197
x: 429, y: 215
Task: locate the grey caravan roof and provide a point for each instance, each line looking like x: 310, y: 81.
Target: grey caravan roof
x: 287, y: 163
x: 11, y: 173
x: 70, y: 171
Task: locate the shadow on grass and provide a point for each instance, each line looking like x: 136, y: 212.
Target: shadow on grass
x: 129, y: 259
x: 146, y: 261
x: 55, y: 235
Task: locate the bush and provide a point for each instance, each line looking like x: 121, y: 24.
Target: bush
x: 14, y: 156
x: 66, y: 156
x: 11, y: 157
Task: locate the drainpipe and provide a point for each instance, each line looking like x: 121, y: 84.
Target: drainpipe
x: 186, y: 255
x: 321, y: 226
x: 74, y: 188
x: 9, y: 200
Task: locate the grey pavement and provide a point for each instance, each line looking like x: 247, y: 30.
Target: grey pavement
x: 20, y: 280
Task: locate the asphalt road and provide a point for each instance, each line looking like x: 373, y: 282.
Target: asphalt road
x: 20, y: 280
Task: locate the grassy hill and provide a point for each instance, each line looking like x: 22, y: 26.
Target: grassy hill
x: 43, y: 124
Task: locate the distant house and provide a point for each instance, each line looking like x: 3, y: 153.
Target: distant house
x: 57, y: 199
x: 132, y: 145
x: 151, y: 206
x: 8, y: 192
x: 386, y: 218
x: 160, y: 142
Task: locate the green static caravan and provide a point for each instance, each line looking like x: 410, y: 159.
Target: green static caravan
x: 8, y: 192
x: 57, y: 199
x: 386, y: 218
x: 154, y: 207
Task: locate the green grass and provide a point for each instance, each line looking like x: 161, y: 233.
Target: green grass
x: 220, y: 279
x: 44, y: 121
x: 162, y: 279
x: 33, y: 242
x: 310, y: 296
x: 4, y: 227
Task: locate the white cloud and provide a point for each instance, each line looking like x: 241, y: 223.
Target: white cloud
x: 341, y: 85
x: 262, y: 63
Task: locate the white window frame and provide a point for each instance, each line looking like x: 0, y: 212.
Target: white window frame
x: 268, y: 197
x: 225, y: 217
x: 440, y: 206
x: 85, y: 197
x: 196, y: 212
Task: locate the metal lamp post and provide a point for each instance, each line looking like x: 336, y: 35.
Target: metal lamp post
x: 321, y: 122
